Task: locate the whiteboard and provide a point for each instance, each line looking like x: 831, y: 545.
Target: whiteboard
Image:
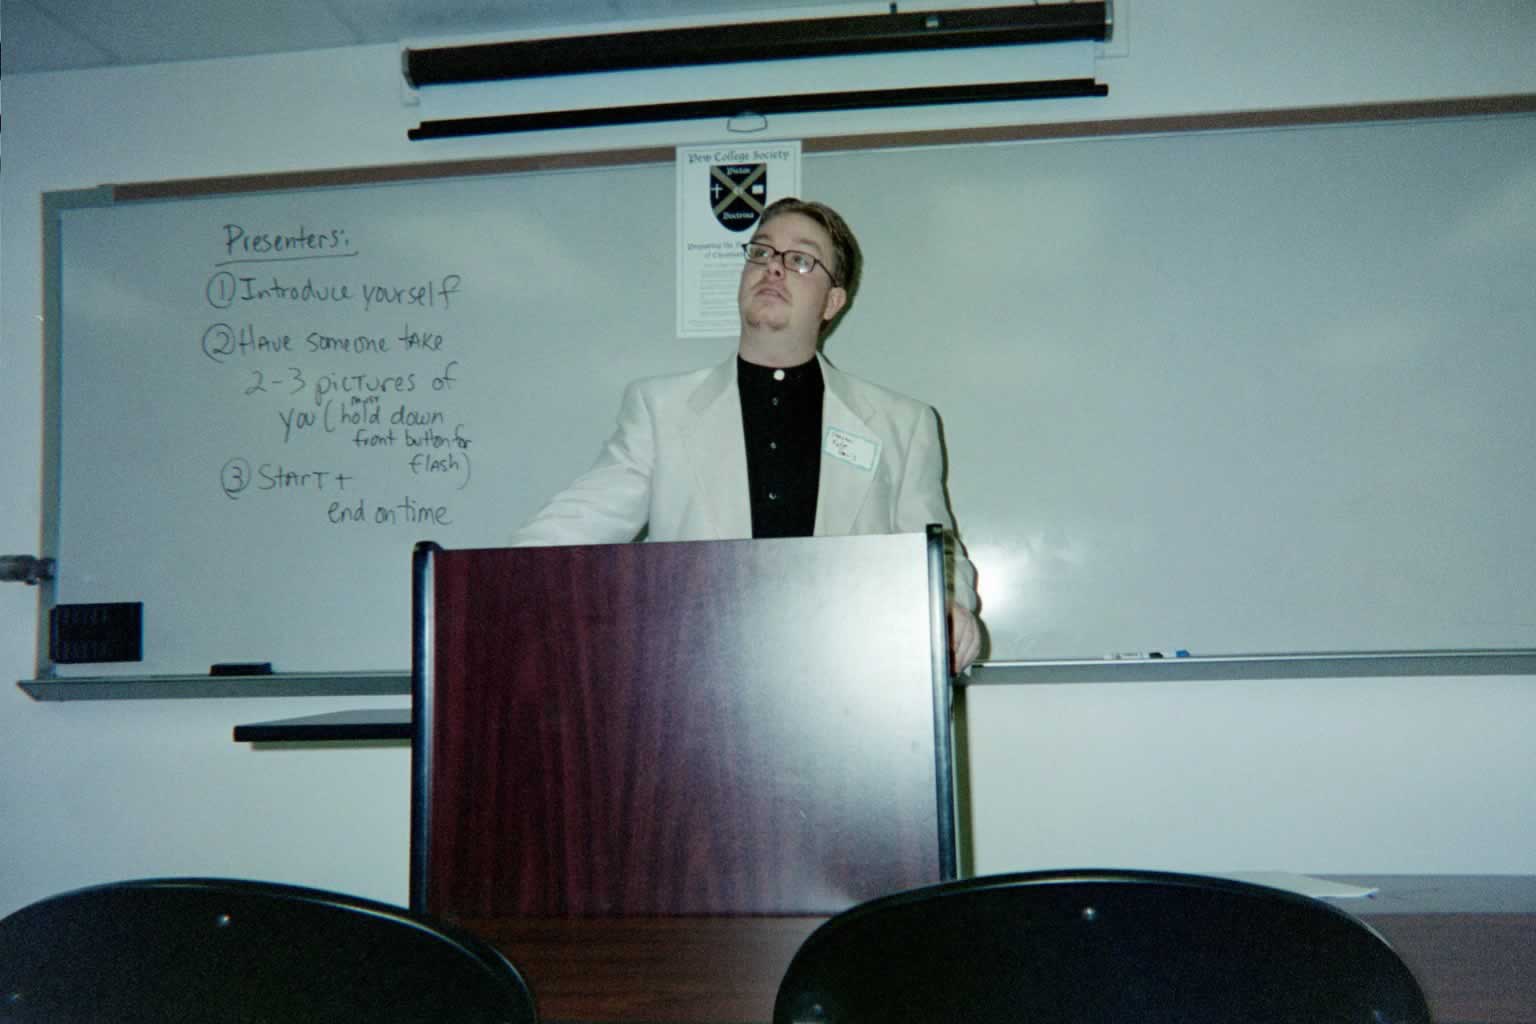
x: 1247, y: 391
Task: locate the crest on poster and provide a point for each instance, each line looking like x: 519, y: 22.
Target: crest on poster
x: 737, y: 194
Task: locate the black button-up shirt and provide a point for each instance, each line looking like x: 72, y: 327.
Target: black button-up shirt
x: 781, y: 420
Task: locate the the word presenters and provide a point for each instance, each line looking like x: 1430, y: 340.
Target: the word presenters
x: 356, y: 378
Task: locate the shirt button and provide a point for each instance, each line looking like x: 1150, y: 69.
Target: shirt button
x: 773, y: 446
x: 773, y: 495
x: 778, y: 374
x: 775, y: 399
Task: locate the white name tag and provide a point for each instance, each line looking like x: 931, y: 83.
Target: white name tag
x: 851, y: 448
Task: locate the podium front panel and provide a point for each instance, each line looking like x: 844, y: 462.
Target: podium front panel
x: 735, y: 727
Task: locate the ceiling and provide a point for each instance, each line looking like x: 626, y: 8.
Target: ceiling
x: 61, y: 35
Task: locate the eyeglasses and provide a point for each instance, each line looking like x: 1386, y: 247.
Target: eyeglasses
x: 793, y: 259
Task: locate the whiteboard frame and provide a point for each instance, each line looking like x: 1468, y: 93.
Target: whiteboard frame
x: 47, y: 686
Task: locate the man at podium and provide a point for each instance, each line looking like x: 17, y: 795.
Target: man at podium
x: 775, y: 442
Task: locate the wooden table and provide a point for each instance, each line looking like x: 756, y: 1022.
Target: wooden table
x: 392, y: 724
x: 1471, y: 942
x: 676, y: 969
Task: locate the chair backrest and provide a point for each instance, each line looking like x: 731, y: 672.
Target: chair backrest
x: 214, y: 951
x: 1097, y: 946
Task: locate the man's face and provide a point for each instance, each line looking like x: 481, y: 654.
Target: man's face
x: 772, y: 298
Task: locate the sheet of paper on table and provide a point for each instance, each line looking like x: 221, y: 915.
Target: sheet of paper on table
x: 1306, y: 885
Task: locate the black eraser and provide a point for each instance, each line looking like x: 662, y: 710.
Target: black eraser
x: 241, y: 668
x: 79, y: 633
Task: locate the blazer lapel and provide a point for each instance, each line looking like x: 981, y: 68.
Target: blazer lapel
x: 718, y: 453
x: 844, y: 482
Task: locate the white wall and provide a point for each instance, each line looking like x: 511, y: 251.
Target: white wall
x: 1349, y: 776
x: 92, y: 792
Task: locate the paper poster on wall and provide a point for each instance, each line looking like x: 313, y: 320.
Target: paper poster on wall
x: 722, y: 191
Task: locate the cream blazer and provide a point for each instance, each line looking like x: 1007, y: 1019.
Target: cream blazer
x: 676, y: 466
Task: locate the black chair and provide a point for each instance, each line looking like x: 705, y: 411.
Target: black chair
x: 215, y: 951
x: 1108, y: 947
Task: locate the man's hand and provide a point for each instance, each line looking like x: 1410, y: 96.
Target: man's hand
x: 964, y: 637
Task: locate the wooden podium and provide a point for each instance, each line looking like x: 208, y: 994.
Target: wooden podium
x: 734, y: 738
